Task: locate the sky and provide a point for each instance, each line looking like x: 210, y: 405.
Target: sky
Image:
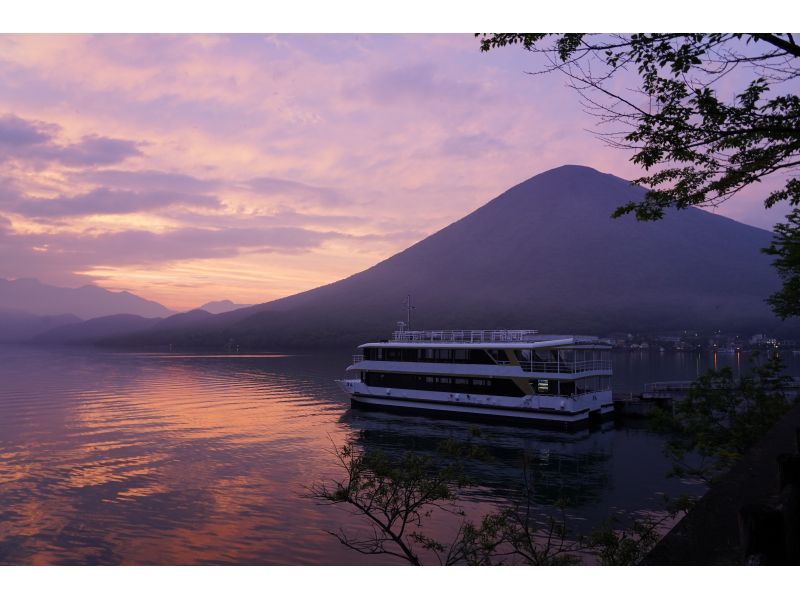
x: 191, y: 168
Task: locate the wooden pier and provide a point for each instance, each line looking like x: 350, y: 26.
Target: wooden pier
x: 664, y: 395
x: 661, y: 395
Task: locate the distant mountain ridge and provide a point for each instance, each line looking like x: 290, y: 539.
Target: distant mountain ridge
x: 95, y: 329
x: 89, y: 301
x: 18, y: 326
x: 545, y: 254
x: 98, y: 329
x: 220, y: 307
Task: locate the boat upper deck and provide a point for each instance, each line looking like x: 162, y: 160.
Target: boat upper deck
x: 483, y: 339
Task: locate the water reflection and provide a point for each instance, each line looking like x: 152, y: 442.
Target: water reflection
x: 148, y: 458
x: 569, y: 466
x: 144, y: 459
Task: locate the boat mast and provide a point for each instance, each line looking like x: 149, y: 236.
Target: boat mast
x: 409, y: 306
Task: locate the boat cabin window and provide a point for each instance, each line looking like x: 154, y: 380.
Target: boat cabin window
x: 566, y: 388
x: 544, y: 386
x: 592, y: 384
x: 460, y: 355
x: 494, y: 386
x: 524, y: 354
x: 437, y: 355
x: 482, y: 356
x: 497, y: 356
x: 544, y: 355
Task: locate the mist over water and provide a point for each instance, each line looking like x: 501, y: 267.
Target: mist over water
x: 115, y: 458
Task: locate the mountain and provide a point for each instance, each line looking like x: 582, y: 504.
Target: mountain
x: 221, y: 307
x: 99, y: 329
x: 96, y: 329
x: 89, y: 301
x: 545, y: 254
x: 184, y: 319
x: 17, y: 326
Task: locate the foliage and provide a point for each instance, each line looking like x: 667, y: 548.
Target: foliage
x: 722, y: 417
x: 699, y: 145
x: 398, y: 495
x: 786, y: 247
x: 627, y: 546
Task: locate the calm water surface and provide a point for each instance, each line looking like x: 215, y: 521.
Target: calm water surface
x: 109, y: 458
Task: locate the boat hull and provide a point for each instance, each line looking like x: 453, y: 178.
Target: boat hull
x: 545, y: 417
x: 539, y: 420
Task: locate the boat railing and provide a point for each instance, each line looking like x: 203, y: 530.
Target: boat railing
x: 574, y: 396
x: 565, y: 367
x: 667, y: 386
x: 463, y: 336
x: 357, y: 359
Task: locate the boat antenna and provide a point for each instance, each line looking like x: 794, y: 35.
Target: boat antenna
x: 409, y: 306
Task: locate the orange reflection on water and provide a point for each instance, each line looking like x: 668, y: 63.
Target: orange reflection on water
x: 169, y: 466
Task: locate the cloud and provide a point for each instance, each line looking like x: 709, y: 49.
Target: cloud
x: 93, y: 150
x: 148, y: 180
x: 16, y: 132
x: 145, y: 247
x: 35, y: 141
x: 106, y: 201
x: 416, y: 82
x: 472, y: 146
x: 58, y: 256
x: 294, y: 190
x: 281, y: 217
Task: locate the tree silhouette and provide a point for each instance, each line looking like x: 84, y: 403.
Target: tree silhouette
x: 698, y: 148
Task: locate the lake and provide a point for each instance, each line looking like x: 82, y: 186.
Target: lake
x: 121, y: 458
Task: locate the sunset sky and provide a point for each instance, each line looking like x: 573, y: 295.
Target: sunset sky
x: 248, y: 167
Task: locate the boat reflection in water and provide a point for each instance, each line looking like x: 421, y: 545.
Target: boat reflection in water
x: 582, y: 472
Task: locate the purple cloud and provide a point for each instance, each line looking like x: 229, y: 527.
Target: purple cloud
x: 17, y: 132
x: 104, y: 201
x: 472, y: 146
x: 93, y: 150
x: 417, y: 82
x: 148, y: 180
x: 282, y: 217
x: 56, y: 256
x: 34, y: 141
x: 294, y: 190
x: 145, y: 247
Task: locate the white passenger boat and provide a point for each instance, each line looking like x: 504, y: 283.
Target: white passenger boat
x: 508, y: 374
